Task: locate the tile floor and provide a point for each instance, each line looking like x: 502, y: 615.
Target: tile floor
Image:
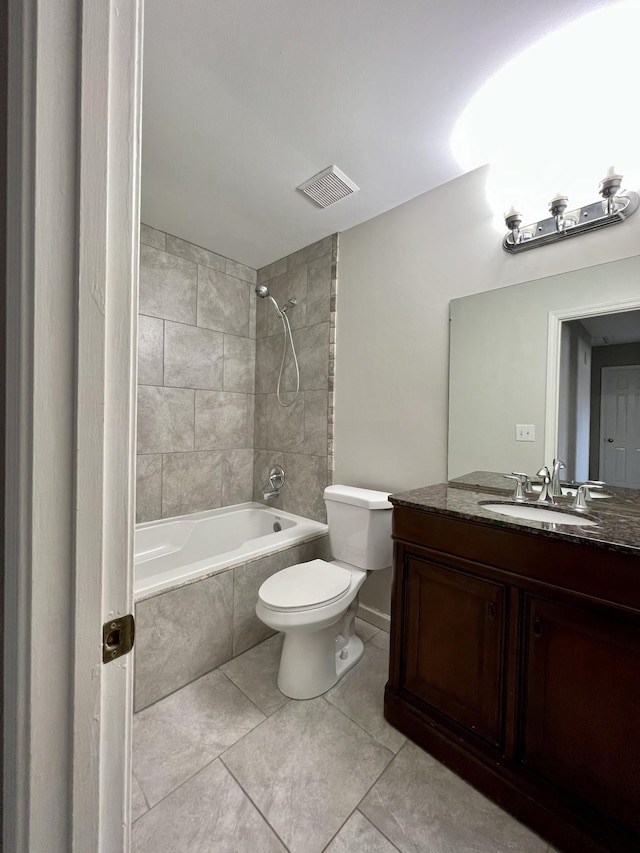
x: 228, y: 764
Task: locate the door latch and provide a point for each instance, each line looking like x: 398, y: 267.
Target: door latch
x: 117, y: 637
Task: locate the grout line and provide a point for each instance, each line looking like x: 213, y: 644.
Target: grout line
x: 161, y: 485
x: 254, y: 804
x: 177, y: 788
x: 356, y: 723
x: 257, y: 707
x: 144, y: 796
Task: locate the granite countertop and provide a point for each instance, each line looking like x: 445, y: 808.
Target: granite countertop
x: 617, y: 525
x: 627, y: 500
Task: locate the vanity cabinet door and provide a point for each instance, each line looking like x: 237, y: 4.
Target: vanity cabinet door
x: 455, y: 645
x: 582, y: 704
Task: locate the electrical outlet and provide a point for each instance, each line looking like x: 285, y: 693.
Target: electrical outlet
x: 525, y: 432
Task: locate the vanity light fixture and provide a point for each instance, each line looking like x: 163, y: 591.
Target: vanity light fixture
x: 613, y: 208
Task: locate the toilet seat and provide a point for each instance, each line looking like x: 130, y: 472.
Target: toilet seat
x: 304, y: 586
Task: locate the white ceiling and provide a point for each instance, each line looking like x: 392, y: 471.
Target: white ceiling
x: 246, y: 99
x: 608, y: 329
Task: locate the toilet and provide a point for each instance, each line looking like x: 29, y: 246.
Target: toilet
x: 315, y: 603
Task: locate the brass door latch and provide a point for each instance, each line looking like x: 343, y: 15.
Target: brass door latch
x: 117, y: 637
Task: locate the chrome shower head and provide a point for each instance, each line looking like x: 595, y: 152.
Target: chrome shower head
x: 262, y: 291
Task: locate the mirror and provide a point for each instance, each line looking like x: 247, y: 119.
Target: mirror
x: 514, y: 361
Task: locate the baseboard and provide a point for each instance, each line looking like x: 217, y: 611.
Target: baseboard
x: 374, y: 617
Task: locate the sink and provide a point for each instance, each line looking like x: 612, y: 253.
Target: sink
x: 570, y: 492
x: 534, y: 512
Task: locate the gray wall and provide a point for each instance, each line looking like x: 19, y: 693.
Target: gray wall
x: 196, y: 378
x: 206, y: 387
x: 300, y: 437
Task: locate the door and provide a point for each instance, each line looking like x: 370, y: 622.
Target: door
x: 73, y: 205
x: 581, y: 701
x: 455, y: 645
x: 620, y: 426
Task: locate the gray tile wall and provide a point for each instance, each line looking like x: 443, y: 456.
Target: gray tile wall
x: 300, y: 437
x: 209, y: 354
x: 196, y: 378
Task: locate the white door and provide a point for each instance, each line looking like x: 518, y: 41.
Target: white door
x: 73, y: 205
x: 620, y: 426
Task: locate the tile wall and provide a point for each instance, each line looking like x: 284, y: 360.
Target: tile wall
x: 196, y: 378
x: 300, y: 437
x: 209, y: 354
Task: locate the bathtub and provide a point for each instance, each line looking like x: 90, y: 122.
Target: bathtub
x: 196, y: 585
x: 172, y: 552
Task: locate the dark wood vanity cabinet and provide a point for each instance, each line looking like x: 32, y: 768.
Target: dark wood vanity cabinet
x: 515, y: 660
x: 455, y: 644
x: 581, y: 698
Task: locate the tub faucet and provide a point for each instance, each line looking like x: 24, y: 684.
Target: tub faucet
x: 276, y: 482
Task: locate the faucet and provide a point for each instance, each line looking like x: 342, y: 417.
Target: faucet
x: 546, y: 496
x: 276, y: 482
x: 556, y: 489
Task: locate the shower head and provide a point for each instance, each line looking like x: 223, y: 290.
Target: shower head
x: 262, y: 291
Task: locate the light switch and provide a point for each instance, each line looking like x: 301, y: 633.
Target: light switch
x: 525, y: 432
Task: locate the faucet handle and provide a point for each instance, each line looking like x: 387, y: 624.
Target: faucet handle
x: 580, y: 501
x: 593, y: 486
x: 526, y: 481
x: 520, y: 480
x: 544, y: 473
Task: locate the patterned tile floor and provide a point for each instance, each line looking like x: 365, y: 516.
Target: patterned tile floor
x: 228, y: 764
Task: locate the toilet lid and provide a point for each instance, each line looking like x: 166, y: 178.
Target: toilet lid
x: 305, y: 585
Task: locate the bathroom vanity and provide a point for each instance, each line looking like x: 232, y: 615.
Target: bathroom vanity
x: 515, y: 659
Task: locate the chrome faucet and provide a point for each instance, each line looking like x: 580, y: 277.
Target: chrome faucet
x: 556, y: 489
x: 276, y: 482
x: 546, y: 497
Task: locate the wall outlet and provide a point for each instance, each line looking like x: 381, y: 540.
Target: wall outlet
x: 525, y: 432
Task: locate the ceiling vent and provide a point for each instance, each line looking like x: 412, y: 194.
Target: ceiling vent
x: 328, y: 186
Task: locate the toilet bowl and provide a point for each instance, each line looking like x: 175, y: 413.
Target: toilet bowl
x: 315, y: 603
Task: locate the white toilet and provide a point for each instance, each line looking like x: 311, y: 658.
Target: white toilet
x: 314, y: 604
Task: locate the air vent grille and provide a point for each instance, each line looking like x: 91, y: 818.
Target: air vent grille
x: 328, y: 186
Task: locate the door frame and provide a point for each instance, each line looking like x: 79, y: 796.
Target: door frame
x: 554, y: 333
x: 74, y: 106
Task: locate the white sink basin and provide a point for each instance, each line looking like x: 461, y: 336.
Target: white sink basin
x: 570, y: 492
x: 533, y: 512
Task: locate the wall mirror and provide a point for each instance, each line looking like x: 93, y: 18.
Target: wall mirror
x: 543, y: 361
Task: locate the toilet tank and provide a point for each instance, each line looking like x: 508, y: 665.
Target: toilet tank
x: 359, y: 526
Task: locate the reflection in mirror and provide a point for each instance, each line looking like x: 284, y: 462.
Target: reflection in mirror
x: 499, y: 357
x: 598, y: 407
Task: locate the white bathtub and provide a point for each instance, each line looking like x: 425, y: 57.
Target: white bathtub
x: 174, y: 551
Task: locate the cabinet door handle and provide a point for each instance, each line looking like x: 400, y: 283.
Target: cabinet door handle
x: 492, y: 610
x: 537, y: 626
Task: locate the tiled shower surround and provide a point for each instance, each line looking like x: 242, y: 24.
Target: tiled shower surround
x: 196, y: 363
x: 209, y: 424
x: 210, y: 427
